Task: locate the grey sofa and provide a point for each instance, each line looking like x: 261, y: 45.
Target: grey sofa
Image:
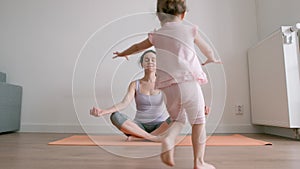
x: 10, y: 105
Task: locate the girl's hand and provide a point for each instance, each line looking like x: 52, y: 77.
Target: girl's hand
x: 118, y: 54
x: 210, y: 60
x: 207, y: 110
x: 96, y: 112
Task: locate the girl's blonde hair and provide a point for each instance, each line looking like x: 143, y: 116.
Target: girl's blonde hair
x: 167, y: 10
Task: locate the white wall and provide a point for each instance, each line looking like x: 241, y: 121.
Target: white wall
x: 272, y: 14
x: 41, y: 40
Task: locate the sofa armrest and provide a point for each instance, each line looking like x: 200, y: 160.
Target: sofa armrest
x: 2, y: 77
x: 10, y: 107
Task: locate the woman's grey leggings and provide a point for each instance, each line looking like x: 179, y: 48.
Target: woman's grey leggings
x: 118, y: 119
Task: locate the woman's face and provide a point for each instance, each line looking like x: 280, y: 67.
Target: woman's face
x: 149, y: 61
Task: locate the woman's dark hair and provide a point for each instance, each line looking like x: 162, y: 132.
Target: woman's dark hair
x: 142, y: 57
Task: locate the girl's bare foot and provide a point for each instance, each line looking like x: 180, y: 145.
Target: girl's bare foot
x: 167, y: 155
x: 205, y: 166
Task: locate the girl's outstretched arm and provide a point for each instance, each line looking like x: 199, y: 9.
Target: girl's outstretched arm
x: 136, y: 48
x: 206, y: 49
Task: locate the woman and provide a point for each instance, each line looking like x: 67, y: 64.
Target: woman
x: 151, y: 117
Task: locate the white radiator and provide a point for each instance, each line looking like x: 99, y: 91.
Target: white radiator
x: 274, y: 70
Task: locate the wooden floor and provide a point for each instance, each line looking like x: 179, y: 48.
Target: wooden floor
x: 30, y: 150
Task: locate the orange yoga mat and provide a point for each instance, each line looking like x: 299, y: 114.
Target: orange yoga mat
x: 119, y: 140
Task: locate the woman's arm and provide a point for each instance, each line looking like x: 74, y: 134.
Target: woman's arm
x: 120, y: 106
x: 206, y: 49
x: 138, y: 47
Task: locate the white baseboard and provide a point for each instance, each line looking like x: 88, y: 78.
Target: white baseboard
x: 50, y: 128
x: 283, y: 132
x: 69, y: 128
x: 109, y: 129
x: 237, y: 128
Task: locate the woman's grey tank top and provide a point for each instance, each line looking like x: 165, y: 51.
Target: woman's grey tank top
x: 150, y: 108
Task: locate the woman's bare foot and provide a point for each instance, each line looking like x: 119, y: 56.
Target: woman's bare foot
x: 167, y: 155
x: 132, y: 138
x: 150, y: 138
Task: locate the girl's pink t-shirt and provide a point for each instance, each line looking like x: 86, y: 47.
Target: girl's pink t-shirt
x: 177, y: 60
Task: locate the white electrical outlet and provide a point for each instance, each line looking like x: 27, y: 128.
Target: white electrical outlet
x: 239, y: 109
